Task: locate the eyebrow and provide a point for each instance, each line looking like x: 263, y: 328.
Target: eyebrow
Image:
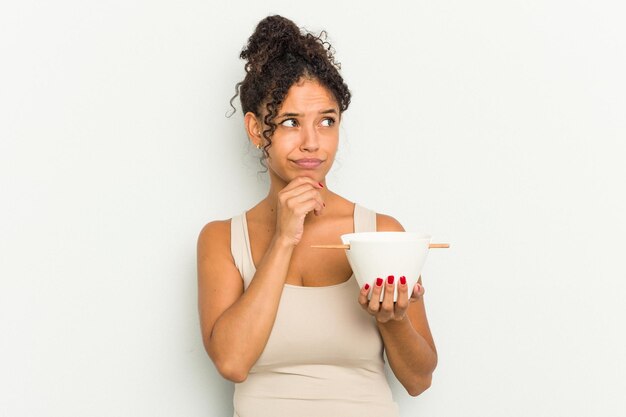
x: 328, y: 111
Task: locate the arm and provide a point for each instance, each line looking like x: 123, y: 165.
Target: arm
x: 403, y: 326
x: 410, y: 347
x: 236, y: 324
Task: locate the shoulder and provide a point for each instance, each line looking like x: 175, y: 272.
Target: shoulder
x: 215, y: 229
x: 385, y: 223
x: 214, y: 235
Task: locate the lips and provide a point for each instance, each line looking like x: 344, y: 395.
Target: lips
x: 308, y: 163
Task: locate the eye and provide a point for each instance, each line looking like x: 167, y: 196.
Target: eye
x: 289, y: 123
x: 327, y: 122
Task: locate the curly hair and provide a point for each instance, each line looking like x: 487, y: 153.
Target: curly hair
x: 278, y: 55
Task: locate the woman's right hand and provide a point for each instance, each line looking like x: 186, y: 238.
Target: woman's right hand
x: 300, y: 197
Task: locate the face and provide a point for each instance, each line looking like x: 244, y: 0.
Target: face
x: 307, y: 133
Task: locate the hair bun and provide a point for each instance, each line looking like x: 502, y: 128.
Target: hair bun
x: 279, y: 54
x: 273, y: 37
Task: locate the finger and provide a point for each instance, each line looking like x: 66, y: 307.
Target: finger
x: 317, y: 196
x: 303, y: 193
x: 374, y: 304
x: 312, y: 206
x: 297, y: 194
x: 418, y: 292
x: 299, y: 181
x: 363, y: 295
x: 402, y: 303
x: 305, y: 202
x: 296, y: 189
x: 386, y: 309
x: 319, y: 211
x: 286, y: 195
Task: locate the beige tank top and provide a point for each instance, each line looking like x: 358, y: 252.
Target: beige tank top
x: 324, y: 356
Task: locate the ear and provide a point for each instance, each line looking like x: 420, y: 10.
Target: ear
x: 254, y: 129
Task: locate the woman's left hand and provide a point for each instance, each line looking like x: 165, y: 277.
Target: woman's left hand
x: 388, y: 309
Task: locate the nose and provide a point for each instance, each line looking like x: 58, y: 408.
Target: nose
x: 310, y: 140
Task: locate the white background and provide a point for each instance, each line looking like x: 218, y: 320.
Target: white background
x: 497, y: 126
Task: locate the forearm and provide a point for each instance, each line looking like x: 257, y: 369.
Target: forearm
x: 411, y: 357
x: 241, y: 332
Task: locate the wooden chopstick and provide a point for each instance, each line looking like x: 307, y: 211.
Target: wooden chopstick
x: 431, y: 246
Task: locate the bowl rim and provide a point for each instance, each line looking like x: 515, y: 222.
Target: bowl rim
x: 365, y: 237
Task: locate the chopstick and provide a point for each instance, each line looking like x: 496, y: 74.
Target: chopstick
x: 431, y: 246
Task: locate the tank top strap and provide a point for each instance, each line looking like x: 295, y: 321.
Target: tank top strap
x: 364, y: 219
x: 240, y: 248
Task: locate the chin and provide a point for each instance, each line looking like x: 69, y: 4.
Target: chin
x: 314, y: 175
x: 289, y: 175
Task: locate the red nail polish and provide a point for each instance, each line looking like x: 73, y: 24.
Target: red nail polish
x: 390, y: 279
x: 379, y: 282
x: 367, y: 286
x: 321, y: 185
x: 403, y: 280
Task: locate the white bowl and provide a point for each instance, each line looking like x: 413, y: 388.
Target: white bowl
x: 375, y: 255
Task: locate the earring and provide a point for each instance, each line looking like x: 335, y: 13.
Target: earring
x: 258, y: 146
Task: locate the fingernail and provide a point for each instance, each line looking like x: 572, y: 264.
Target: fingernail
x: 379, y: 282
x: 403, y: 280
x: 321, y: 185
x: 390, y: 279
x: 367, y: 286
x: 419, y: 288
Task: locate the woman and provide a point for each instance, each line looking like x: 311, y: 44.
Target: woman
x: 285, y: 322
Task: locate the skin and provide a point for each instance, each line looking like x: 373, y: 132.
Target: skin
x: 298, y: 211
